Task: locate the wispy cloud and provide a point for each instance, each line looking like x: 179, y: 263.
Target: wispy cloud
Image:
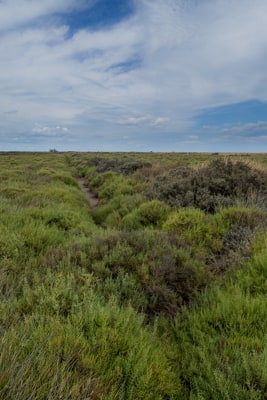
x: 154, y: 70
x: 134, y: 120
x: 143, y: 120
x: 160, y: 121
x: 17, y: 13
x: 49, y: 130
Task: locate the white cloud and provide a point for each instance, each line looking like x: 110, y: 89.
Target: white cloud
x: 16, y: 12
x: 143, y: 120
x: 134, y: 120
x: 160, y: 121
x: 191, y: 56
x: 41, y: 130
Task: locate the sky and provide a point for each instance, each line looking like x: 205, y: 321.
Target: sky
x: 133, y: 75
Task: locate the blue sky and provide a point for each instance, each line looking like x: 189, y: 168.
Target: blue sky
x: 133, y: 75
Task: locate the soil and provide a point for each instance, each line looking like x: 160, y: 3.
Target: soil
x: 91, y: 197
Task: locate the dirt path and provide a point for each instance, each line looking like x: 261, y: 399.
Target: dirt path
x: 83, y: 184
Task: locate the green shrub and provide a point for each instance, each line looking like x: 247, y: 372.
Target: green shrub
x: 128, y: 356
x: 221, y: 342
x: 112, y: 314
x: 127, y: 203
x: 113, y: 220
x: 185, y: 219
x: 110, y: 214
x: 54, y: 294
x: 101, y: 213
x: 63, y: 218
x: 131, y: 221
x: 101, y: 352
x: 118, y: 186
x: 152, y: 213
x: 220, y: 183
x: 125, y: 288
x: 244, y: 217
x: 124, y: 166
x: 240, y: 228
x: 46, y: 360
x: 196, y: 229
x: 37, y: 237
x: 166, y: 274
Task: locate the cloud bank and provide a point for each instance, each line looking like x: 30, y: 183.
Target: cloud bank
x: 137, y: 84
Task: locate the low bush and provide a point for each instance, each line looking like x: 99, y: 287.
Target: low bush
x: 135, y: 307
x: 219, y: 183
x: 152, y: 213
x: 251, y: 218
x: 36, y: 237
x: 165, y: 271
x: 65, y: 219
x: 110, y: 214
x: 99, y: 351
x: 196, y: 229
x: 241, y: 225
x: 114, y: 186
x: 121, y: 166
x: 221, y: 342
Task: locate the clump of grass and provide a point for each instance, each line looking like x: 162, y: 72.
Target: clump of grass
x: 223, y: 339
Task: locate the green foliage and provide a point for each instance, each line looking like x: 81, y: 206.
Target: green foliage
x: 117, y: 185
x: 165, y: 275
x: 185, y: 219
x: 139, y: 298
x: 127, y: 358
x: 73, y: 344
x: 192, y: 226
x: 244, y: 217
x: 64, y: 334
x: 152, y: 213
x: 44, y: 359
x: 64, y: 219
x: 219, y: 183
x: 111, y: 214
x: 36, y: 237
x: 223, y: 340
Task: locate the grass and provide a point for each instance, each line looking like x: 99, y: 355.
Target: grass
x: 226, y: 335
x: 135, y: 300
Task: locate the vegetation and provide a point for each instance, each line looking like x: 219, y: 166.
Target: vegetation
x: 157, y: 293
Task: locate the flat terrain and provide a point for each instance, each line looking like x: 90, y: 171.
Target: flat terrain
x: 133, y: 276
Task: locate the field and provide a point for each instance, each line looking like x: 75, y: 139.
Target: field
x: 148, y: 284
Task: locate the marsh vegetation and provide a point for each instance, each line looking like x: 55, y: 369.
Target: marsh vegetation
x: 156, y: 291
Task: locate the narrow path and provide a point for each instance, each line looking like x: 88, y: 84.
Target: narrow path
x: 83, y: 184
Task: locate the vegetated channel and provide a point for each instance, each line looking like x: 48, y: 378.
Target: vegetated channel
x: 83, y: 184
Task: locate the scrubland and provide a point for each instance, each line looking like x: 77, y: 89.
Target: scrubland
x: 157, y: 293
